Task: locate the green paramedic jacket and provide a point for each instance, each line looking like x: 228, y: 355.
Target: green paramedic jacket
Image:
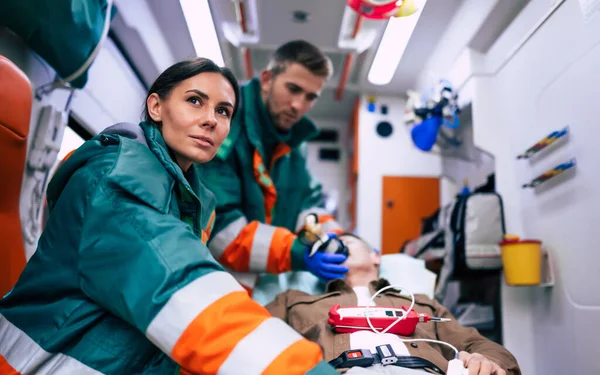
x: 260, y: 206
x: 120, y: 284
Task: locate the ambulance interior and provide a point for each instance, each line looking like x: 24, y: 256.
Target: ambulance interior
x: 512, y: 82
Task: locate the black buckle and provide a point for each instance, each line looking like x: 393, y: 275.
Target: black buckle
x: 364, y: 358
x: 354, y: 358
x: 385, y: 355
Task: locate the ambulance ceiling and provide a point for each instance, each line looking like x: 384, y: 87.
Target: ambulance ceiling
x: 270, y: 23
x: 328, y: 24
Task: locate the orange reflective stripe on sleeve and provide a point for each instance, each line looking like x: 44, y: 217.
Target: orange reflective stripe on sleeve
x: 265, y: 346
x: 293, y: 360
x: 6, y: 368
x: 211, y: 337
x: 245, y: 339
x: 225, y: 237
x: 211, y: 326
x: 237, y: 254
x: 259, y: 248
x: 280, y: 259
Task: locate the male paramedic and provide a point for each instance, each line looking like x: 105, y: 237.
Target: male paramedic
x: 263, y: 187
x: 309, y: 315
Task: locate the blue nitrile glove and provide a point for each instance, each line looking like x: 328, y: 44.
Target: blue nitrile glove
x: 326, y: 266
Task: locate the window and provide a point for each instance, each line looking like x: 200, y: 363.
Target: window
x: 70, y: 142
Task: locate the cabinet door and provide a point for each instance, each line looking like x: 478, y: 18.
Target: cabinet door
x: 406, y: 200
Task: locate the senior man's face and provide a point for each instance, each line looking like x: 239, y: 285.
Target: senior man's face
x: 360, y: 254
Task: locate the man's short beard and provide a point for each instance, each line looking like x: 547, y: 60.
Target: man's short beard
x: 273, y: 118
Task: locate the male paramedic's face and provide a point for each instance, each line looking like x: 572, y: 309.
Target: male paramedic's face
x: 195, y: 117
x: 290, y: 94
x: 360, y: 255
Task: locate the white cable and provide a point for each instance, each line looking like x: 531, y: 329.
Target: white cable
x: 404, y: 313
x: 403, y: 316
x: 434, y: 341
x: 96, y: 51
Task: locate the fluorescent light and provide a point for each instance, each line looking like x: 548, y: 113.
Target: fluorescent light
x: 202, y: 29
x: 393, y: 44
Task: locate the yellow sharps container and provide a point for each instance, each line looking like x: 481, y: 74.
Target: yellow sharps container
x: 522, y: 261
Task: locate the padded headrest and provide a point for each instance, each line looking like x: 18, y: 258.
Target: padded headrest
x: 15, y: 98
x: 15, y: 111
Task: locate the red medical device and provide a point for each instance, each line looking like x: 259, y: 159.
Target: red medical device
x: 353, y: 319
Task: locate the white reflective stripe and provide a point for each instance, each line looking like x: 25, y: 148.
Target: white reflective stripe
x: 330, y: 226
x: 261, y: 245
x: 259, y: 348
x: 185, y: 305
x: 303, y: 214
x: 27, y: 357
x: 225, y: 237
x: 248, y: 279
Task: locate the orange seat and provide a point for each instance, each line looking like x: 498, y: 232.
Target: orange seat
x: 15, y: 113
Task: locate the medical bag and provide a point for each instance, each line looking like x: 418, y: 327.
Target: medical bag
x: 466, y: 233
x: 477, y: 226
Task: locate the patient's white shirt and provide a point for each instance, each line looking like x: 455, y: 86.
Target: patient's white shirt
x: 369, y: 339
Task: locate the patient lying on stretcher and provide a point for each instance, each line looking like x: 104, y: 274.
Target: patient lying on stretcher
x: 308, y: 314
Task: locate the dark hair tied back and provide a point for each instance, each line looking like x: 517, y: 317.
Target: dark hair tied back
x: 179, y: 72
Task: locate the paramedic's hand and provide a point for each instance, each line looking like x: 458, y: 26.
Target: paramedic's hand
x: 480, y: 365
x: 326, y: 266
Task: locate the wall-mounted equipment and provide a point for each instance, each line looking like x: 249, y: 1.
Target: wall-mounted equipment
x: 329, y: 154
x: 544, y: 142
x: 526, y: 262
x: 326, y: 135
x: 561, y: 168
x: 384, y: 129
x: 371, y: 103
x: 428, y: 112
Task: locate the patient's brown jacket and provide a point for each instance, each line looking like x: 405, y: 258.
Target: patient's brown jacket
x: 308, y: 315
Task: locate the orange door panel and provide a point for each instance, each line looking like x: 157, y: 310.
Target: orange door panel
x: 406, y: 200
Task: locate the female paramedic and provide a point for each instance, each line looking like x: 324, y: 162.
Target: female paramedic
x: 120, y: 282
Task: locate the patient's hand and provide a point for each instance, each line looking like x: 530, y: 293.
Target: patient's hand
x: 480, y: 365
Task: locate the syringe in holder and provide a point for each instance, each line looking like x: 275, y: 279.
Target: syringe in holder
x: 353, y: 319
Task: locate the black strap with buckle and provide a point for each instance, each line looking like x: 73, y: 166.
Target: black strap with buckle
x: 385, y: 355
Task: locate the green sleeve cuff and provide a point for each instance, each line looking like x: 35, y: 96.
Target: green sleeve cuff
x: 297, y: 255
x: 322, y: 368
